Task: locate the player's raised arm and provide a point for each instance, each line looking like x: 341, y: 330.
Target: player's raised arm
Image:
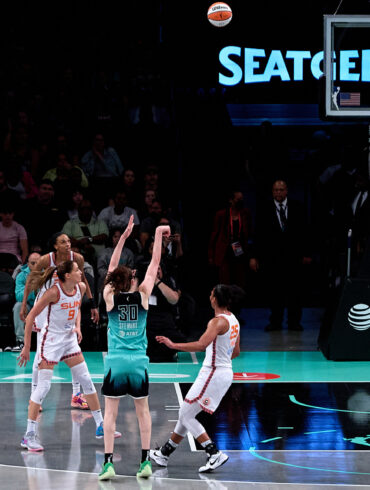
x: 114, y: 261
x: 148, y: 283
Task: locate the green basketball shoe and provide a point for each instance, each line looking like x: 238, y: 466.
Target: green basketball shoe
x: 145, y: 469
x: 107, y: 472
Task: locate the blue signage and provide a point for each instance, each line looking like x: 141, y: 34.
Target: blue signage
x: 259, y: 66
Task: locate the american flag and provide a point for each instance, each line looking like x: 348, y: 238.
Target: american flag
x: 349, y: 99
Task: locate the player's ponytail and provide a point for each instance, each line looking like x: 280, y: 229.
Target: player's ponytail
x: 37, y: 279
x: 42, y: 278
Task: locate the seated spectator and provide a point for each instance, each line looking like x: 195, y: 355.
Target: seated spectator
x: 6, y: 193
x: 131, y: 188
x: 145, y: 207
x: 118, y: 215
x: 76, y: 177
x: 13, y: 236
x: 102, y: 166
x: 8, y: 263
x: 40, y: 215
x: 149, y: 224
x: 35, y: 248
x: 73, y: 201
x: 20, y: 283
x: 20, y: 180
x: 49, y: 148
x: 18, y: 143
x: 127, y: 256
x: 145, y: 254
x: 101, y: 160
x: 86, y: 232
x: 88, y: 268
x: 151, y: 178
x: 64, y: 169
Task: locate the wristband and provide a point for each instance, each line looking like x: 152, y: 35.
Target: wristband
x: 158, y: 283
x: 92, y: 303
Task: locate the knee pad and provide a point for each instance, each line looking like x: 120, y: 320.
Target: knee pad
x: 180, y: 429
x: 187, y: 414
x: 81, y: 375
x: 43, y: 386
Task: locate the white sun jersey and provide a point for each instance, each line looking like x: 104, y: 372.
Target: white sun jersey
x: 219, y: 352
x: 61, y: 315
x: 40, y: 320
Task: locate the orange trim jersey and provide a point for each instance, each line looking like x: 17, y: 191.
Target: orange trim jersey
x: 52, y: 262
x: 219, y: 352
x: 216, y: 374
x: 41, y: 319
x: 62, y: 314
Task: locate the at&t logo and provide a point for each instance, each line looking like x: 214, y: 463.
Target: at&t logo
x: 359, y: 317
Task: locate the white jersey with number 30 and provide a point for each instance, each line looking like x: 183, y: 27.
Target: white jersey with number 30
x: 219, y: 352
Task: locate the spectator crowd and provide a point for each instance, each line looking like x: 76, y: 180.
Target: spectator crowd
x: 79, y: 157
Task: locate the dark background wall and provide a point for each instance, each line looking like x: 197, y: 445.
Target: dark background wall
x: 55, y: 56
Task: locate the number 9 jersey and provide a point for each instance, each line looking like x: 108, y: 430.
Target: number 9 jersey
x: 62, y: 314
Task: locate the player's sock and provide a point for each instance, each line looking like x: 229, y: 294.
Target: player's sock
x: 145, y: 456
x: 31, y: 426
x: 97, y: 417
x: 108, y: 458
x: 168, y: 448
x: 209, y: 447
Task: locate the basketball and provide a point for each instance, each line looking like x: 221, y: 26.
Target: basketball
x: 219, y: 14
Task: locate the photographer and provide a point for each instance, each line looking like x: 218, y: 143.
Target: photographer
x: 172, y: 249
x: 161, y: 314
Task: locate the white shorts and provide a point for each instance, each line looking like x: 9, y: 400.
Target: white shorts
x: 210, y: 387
x: 56, y: 347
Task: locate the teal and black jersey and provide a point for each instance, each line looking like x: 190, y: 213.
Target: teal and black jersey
x: 127, y: 324
x: 126, y: 363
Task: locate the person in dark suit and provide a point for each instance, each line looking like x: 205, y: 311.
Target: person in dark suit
x: 228, y: 246
x: 281, y: 248
x: 355, y: 215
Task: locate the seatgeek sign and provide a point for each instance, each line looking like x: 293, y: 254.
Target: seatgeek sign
x: 250, y: 65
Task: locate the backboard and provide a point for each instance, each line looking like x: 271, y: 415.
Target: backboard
x: 347, y: 66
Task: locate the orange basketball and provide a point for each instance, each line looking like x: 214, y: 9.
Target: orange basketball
x: 219, y: 14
